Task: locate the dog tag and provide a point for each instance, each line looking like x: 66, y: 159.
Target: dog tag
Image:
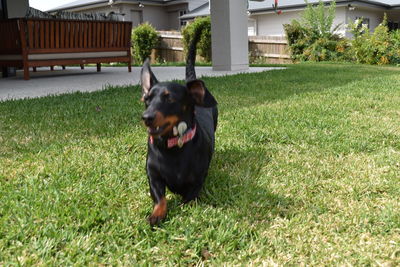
x: 175, y: 131
x: 180, y: 142
x: 182, y: 128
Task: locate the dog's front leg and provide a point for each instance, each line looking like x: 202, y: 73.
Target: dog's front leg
x: 157, y: 191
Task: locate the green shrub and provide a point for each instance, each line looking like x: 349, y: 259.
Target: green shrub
x: 313, y: 38
x: 322, y: 49
x: 361, y: 43
x: 319, y: 20
x: 343, y: 50
x: 372, y: 48
x: 297, y: 37
x: 395, y: 47
x: 144, y: 39
x: 382, y: 43
x: 204, y: 44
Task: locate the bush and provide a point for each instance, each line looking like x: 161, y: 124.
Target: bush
x: 204, y: 44
x: 372, y: 48
x: 297, y: 38
x: 144, y: 39
x: 313, y: 37
x: 343, y: 50
x: 322, y: 49
x: 319, y: 20
x: 394, y: 56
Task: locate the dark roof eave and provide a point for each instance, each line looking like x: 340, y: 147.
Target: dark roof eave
x: 190, y: 18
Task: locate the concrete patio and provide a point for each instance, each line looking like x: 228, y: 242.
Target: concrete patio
x: 45, y: 82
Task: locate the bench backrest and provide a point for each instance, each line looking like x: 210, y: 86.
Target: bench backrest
x: 63, y: 36
x: 49, y: 35
x: 10, y: 37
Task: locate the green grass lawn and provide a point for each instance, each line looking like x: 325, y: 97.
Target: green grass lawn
x: 306, y: 171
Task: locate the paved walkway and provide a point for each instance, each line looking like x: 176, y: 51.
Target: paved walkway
x: 45, y: 82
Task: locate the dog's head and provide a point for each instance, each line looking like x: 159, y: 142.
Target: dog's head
x: 169, y: 103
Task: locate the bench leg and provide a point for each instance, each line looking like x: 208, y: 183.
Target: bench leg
x: 26, y: 72
x: 4, y: 71
x: 34, y: 69
x: 63, y: 67
x: 51, y: 68
x: 98, y: 67
x: 82, y: 67
x: 129, y: 67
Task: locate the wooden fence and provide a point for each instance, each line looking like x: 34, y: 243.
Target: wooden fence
x: 268, y: 49
x: 262, y: 49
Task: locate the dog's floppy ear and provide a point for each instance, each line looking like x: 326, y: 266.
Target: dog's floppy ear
x: 200, y: 94
x: 147, y: 78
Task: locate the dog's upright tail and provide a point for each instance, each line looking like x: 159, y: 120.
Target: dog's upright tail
x: 191, y: 55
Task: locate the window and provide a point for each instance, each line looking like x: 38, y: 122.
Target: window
x: 393, y: 25
x: 251, y: 27
x: 182, y: 22
x: 364, y: 22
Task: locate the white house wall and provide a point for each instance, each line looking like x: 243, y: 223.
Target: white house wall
x: 127, y: 10
x: 173, y: 19
x: 340, y: 19
x: 173, y: 15
x: 161, y: 17
x: 155, y: 14
x: 272, y: 24
x: 375, y: 16
x: 158, y: 17
x: 130, y: 11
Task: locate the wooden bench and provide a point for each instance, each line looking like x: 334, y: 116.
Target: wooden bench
x: 48, y: 42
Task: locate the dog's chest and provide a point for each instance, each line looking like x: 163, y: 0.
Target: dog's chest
x: 181, y: 167
x: 176, y: 166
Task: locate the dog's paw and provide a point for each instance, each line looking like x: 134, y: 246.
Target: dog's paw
x: 159, y: 212
x: 155, y: 220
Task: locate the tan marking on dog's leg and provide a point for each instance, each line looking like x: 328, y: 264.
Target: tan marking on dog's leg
x: 159, y: 211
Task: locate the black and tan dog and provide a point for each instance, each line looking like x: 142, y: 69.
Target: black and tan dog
x: 181, y: 121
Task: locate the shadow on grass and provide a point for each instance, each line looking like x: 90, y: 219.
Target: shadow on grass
x: 237, y: 186
x: 238, y: 183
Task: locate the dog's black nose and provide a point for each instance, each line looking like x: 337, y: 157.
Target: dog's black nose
x: 148, y: 118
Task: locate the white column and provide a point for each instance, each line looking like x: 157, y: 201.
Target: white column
x: 230, y: 45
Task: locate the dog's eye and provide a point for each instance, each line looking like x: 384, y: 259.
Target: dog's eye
x: 168, y: 98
